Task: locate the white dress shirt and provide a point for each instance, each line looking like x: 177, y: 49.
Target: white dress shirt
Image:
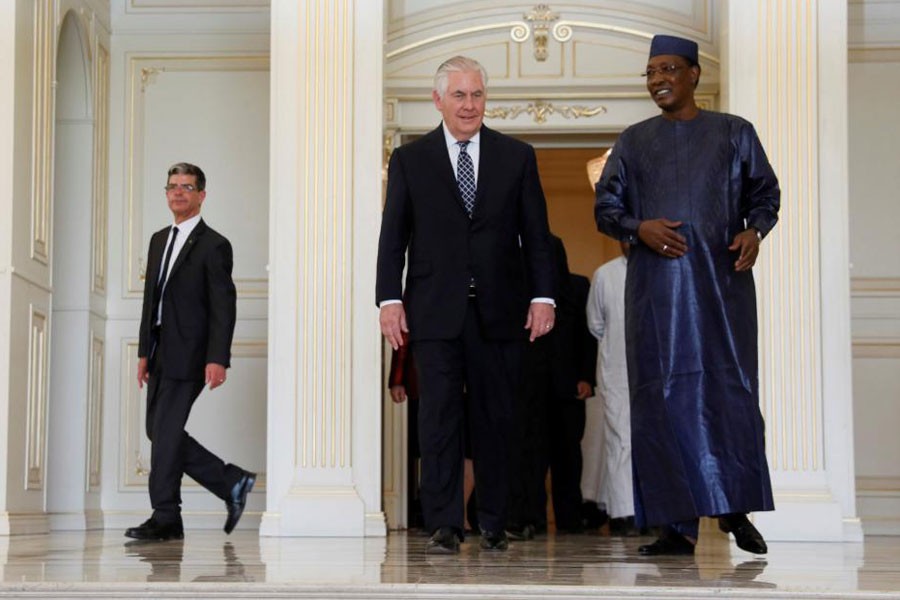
x: 184, y: 231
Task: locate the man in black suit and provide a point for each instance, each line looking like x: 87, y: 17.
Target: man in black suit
x: 187, y: 324
x: 467, y: 204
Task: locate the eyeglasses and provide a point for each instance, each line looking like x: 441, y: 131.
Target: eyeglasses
x: 184, y: 187
x: 663, y: 70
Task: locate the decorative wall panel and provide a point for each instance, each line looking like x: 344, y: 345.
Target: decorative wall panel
x: 231, y: 412
x: 42, y: 128
x: 36, y: 414
x: 95, y: 414
x: 176, y: 106
x: 100, y: 199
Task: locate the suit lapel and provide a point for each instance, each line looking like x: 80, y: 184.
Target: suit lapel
x: 188, y: 246
x: 487, y: 168
x: 154, y: 260
x: 437, y: 147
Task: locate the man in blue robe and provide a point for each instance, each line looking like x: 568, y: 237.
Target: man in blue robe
x: 694, y: 193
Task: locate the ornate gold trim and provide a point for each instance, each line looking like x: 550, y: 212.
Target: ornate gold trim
x: 540, y: 110
x: 540, y: 18
x: 148, y: 76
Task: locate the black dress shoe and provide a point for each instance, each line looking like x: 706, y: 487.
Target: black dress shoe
x: 521, y: 534
x: 745, y: 534
x: 153, y: 531
x: 443, y: 541
x: 592, y: 516
x: 235, y: 504
x: 670, y: 543
x: 494, y: 541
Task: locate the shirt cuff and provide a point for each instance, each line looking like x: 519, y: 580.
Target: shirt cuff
x: 544, y: 301
x: 386, y: 302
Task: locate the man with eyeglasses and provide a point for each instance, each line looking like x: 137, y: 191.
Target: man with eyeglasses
x: 187, y: 324
x: 693, y: 192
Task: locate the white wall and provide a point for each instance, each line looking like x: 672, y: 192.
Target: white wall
x: 874, y: 83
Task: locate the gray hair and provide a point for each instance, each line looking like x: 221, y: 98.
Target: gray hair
x: 184, y: 168
x: 457, y: 64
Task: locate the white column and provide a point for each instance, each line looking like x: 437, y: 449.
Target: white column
x: 786, y: 65
x: 324, y: 414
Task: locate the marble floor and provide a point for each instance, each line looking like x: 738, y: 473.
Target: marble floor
x: 209, y: 564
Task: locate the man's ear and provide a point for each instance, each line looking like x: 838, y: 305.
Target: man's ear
x: 695, y: 69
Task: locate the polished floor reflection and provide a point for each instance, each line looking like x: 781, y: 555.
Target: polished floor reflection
x: 65, y: 564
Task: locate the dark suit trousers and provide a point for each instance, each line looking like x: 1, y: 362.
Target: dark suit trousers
x: 174, y: 452
x: 487, y: 370
x: 566, y: 418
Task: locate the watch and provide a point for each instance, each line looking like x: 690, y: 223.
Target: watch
x: 758, y: 234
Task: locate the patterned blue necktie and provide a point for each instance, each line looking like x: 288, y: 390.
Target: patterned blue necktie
x: 465, y: 176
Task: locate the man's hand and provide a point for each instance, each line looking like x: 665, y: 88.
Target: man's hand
x: 748, y: 243
x: 583, y: 390
x: 540, y: 319
x: 215, y: 375
x: 398, y: 394
x: 143, y: 373
x: 393, y: 324
x: 660, y: 236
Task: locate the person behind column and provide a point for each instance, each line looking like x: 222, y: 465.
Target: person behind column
x: 606, y: 478
x: 574, y: 370
x: 466, y: 203
x: 549, y: 414
x: 403, y: 385
x: 187, y: 324
x: 694, y: 193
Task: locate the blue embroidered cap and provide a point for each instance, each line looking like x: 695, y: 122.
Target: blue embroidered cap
x: 669, y: 44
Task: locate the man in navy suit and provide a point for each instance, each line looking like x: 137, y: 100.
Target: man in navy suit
x: 466, y: 203
x: 187, y: 324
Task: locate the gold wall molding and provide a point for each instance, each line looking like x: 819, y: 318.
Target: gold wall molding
x: 540, y: 110
x: 147, y: 6
x: 876, y: 347
x: 42, y: 128
x: 94, y: 414
x: 874, y: 55
x: 875, y: 287
x: 36, y: 407
x: 541, y: 21
x: 322, y: 427
x: 540, y: 18
x: 148, y: 76
x: 878, y: 486
x: 789, y: 292
x: 100, y: 183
